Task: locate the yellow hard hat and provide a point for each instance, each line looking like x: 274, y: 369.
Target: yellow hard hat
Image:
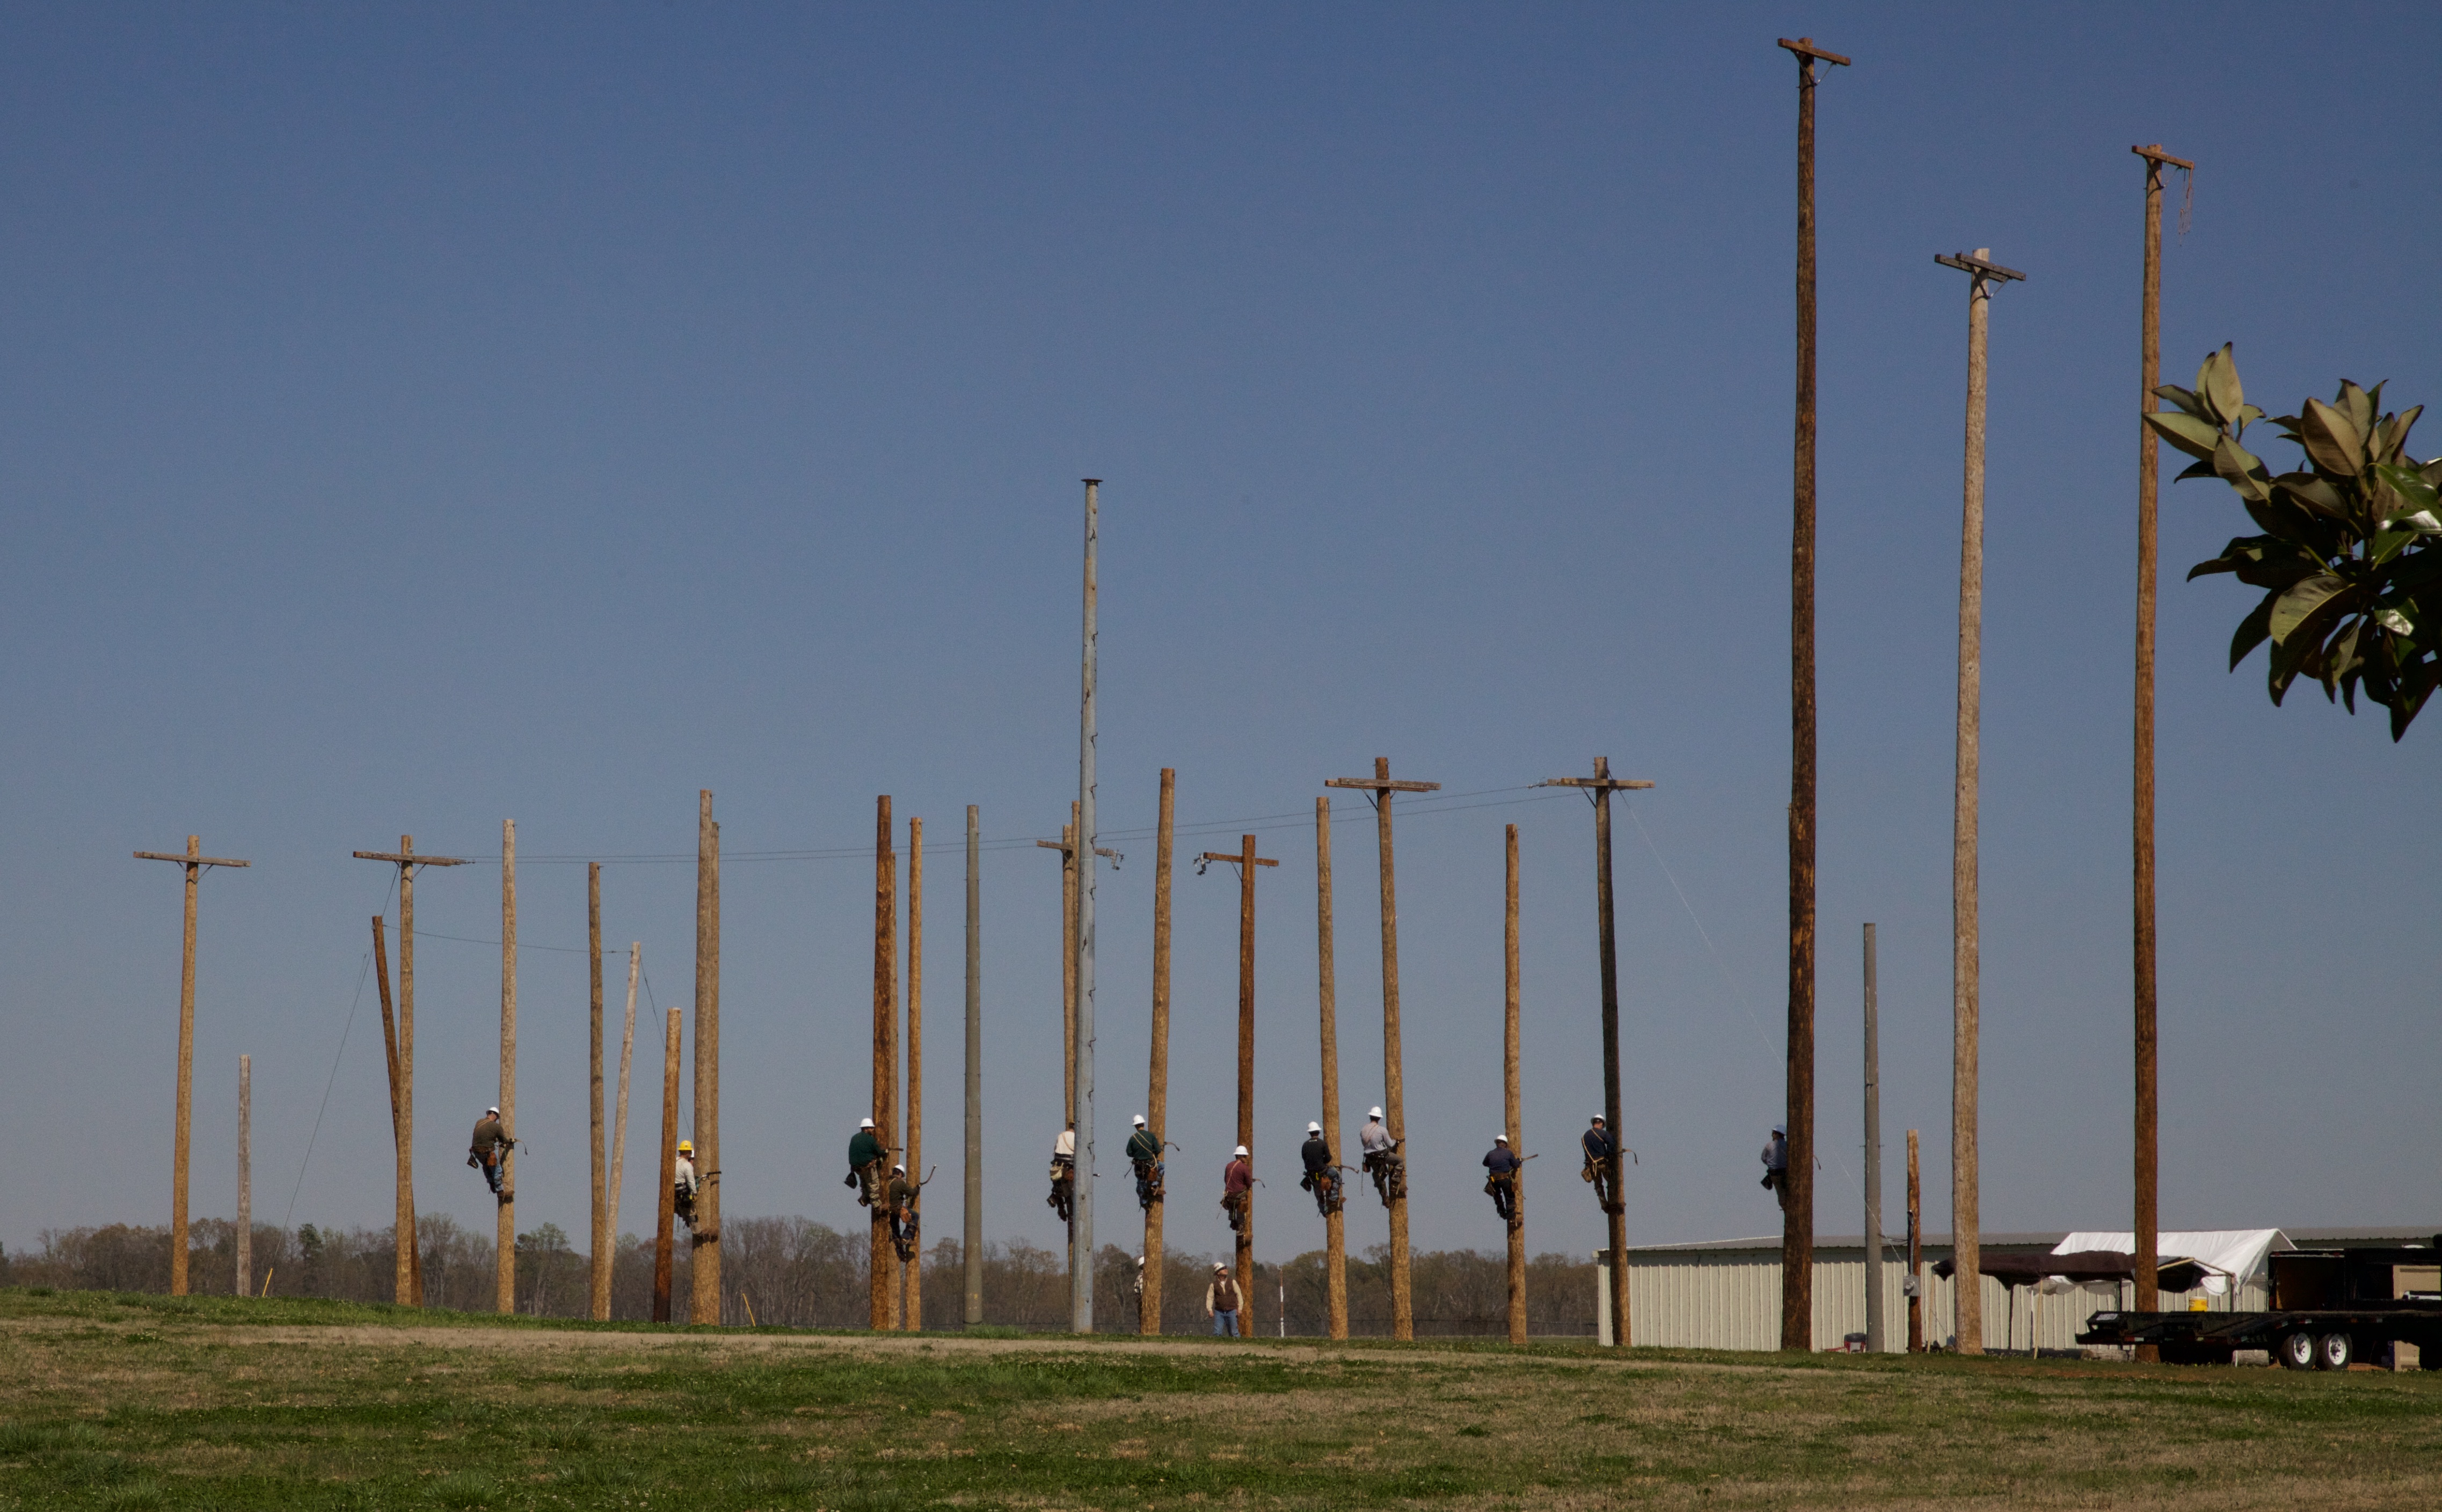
x: 686, y: 1147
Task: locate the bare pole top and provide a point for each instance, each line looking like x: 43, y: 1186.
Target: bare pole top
x: 1972, y: 263
x: 2153, y: 153
x: 1806, y: 50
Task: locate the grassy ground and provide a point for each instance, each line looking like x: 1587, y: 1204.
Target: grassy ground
x: 117, y: 1401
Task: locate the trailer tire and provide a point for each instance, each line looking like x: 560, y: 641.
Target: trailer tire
x: 2333, y: 1352
x: 2296, y: 1350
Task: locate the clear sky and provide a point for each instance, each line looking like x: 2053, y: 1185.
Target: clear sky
x: 423, y: 416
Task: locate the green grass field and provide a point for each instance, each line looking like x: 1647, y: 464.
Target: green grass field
x: 122, y: 1400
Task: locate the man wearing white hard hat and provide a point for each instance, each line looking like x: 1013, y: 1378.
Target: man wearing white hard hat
x: 1501, y: 1165
x: 1221, y: 1300
x: 1322, y: 1173
x: 1381, y: 1156
x: 1144, y: 1152
x: 1064, y: 1172
x: 1597, y: 1142
x: 1238, y: 1187
x: 485, y: 1152
x: 865, y: 1156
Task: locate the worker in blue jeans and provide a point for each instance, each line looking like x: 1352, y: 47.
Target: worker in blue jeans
x: 1221, y: 1300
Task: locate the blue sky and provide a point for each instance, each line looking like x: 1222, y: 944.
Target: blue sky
x: 418, y: 417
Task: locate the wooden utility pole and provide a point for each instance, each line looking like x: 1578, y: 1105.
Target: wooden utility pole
x: 974, y: 1242
x: 911, y: 1282
x: 1246, y: 861
x: 1403, y: 1314
x: 1797, y: 1196
x: 1158, y: 1072
x: 1510, y: 1096
x: 2148, y: 1133
x: 883, y: 1270
x: 194, y: 860
x: 411, y: 1275
x: 1916, y: 1253
x: 504, y: 1250
x: 1335, y: 1224
x: 666, y: 1213
x: 626, y: 1055
x: 703, y: 1269
x: 410, y: 1263
x: 245, y: 1176
x: 1873, y: 1161
x: 1599, y: 788
x: 1080, y: 1230
x: 1965, y: 950
x: 601, y: 1266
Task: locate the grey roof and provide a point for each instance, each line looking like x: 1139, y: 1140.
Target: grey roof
x: 2304, y: 1236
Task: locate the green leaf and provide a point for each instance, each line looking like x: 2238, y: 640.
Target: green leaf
x: 2332, y: 439
x: 2217, y: 384
x: 2396, y: 434
x: 2253, y: 631
x: 2241, y: 469
x: 2300, y: 602
x: 2310, y: 492
x: 2195, y: 469
x: 2360, y: 405
x: 2185, y: 432
x: 2185, y: 398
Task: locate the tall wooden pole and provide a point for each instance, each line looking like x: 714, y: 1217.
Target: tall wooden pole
x: 1599, y: 788
x: 1158, y: 1072
x: 2148, y: 1133
x: 410, y: 1262
x: 619, y: 1124
x: 1967, y: 969
x: 505, y: 1247
x: 666, y: 1213
x: 1081, y: 1232
x: 601, y: 1266
x: 1403, y: 1315
x: 883, y: 1268
x: 1509, y: 1096
x: 1335, y: 1224
x: 1873, y: 1161
x: 1246, y: 861
x: 1798, y: 1197
x: 409, y: 1283
x: 973, y: 1242
x: 911, y: 1285
x: 704, y: 1272
x: 194, y: 860
x: 245, y: 1176
x: 1915, y: 1253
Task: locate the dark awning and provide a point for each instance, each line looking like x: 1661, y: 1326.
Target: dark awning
x: 2024, y: 1268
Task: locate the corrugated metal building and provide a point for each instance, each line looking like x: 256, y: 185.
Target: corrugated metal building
x: 1725, y: 1293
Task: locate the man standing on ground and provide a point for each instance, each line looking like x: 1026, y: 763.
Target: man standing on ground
x: 1221, y: 1302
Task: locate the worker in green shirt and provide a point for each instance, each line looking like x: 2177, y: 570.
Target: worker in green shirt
x: 864, y: 1161
x: 1145, y: 1152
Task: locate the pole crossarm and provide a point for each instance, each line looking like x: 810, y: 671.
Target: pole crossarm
x: 2154, y: 153
x: 1065, y: 849
x: 1382, y: 784
x: 1234, y: 856
x: 1807, y: 52
x: 404, y: 859
x: 189, y: 860
x: 1598, y: 784
x: 1970, y: 263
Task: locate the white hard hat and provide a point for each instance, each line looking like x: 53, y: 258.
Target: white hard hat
x: 1598, y: 1117
x: 1372, y: 1113
x: 864, y: 1123
x: 1140, y: 1259
x: 899, y: 1169
x: 1314, y: 1128
x: 1241, y: 1149
x: 1501, y: 1139
x: 492, y: 1112
x: 1139, y: 1121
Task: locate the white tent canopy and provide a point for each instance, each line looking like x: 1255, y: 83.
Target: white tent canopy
x: 2236, y: 1253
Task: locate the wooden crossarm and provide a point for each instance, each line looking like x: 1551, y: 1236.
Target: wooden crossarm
x: 191, y: 860
x: 1232, y: 855
x: 2156, y: 153
x: 1970, y: 263
x: 409, y: 858
x: 1382, y: 784
x: 1805, y: 48
x: 1615, y: 784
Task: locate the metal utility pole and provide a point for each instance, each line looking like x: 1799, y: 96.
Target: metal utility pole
x: 1510, y: 1096
x: 703, y: 1271
x: 601, y: 1266
x: 194, y: 860
x: 882, y: 1268
x: 245, y: 1176
x: 411, y: 1280
x: 1080, y: 1232
x: 1599, y: 788
x: 627, y: 1056
x: 665, y: 1215
x: 1403, y: 1315
x: 911, y: 1280
x: 974, y: 1242
x: 1798, y: 1197
x: 410, y: 1265
x: 1915, y: 1253
x: 2148, y: 1133
x: 1246, y: 861
x: 1335, y: 1226
x: 504, y: 1249
x: 1873, y: 1161
x: 1158, y: 1072
x: 1965, y: 950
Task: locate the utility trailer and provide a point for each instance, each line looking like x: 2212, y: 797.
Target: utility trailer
x: 2328, y: 1308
